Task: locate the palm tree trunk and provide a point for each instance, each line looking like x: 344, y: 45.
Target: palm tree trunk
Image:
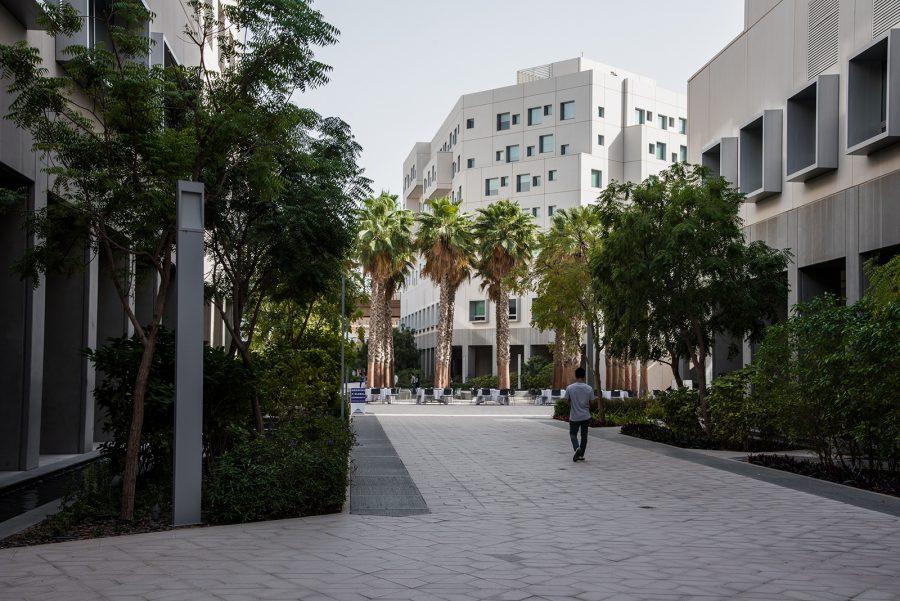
x: 388, y: 335
x: 609, y: 371
x: 566, y: 356
x: 502, y: 312
x: 444, y: 347
x: 376, y: 331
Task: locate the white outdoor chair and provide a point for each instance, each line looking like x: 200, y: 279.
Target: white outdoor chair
x: 373, y: 394
x: 446, y: 396
x: 389, y: 394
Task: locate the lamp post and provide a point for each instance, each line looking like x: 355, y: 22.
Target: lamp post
x: 343, y: 339
x: 188, y: 469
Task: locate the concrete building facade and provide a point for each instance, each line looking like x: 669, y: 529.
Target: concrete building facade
x: 801, y: 111
x: 46, y: 383
x: 552, y: 141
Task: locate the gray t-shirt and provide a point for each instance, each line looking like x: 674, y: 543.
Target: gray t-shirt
x: 580, y: 396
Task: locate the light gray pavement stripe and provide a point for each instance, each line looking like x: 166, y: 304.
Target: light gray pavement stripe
x: 512, y: 518
x: 830, y: 490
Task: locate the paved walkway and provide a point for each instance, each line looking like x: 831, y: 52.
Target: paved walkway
x: 511, y: 518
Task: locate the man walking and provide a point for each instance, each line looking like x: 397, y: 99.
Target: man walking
x: 580, y: 396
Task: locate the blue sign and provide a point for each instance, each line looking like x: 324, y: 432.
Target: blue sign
x: 357, y: 395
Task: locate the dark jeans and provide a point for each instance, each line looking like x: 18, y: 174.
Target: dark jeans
x: 573, y: 434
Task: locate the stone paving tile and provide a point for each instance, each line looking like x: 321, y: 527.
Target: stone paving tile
x: 512, y: 519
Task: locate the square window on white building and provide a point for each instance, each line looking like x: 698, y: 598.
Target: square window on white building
x: 535, y: 212
x: 682, y: 125
x: 470, y: 123
x: 551, y: 175
x: 661, y: 151
x: 601, y: 141
x: 671, y: 121
x: 470, y: 163
x: 649, y: 116
x: 504, y: 181
x: 514, y: 309
x: 550, y: 210
x: 498, y: 156
x: 546, y: 143
x: 523, y: 182
x: 535, y: 181
x: 663, y: 121
x: 502, y: 121
x: 515, y: 119
x: 459, y: 194
x: 596, y: 178
x: 492, y: 186
x: 529, y: 151
x: 512, y: 154
x: 548, y: 110
x: 639, y: 116
x: 600, y: 112
x: 674, y: 158
x: 567, y: 110
x: 534, y: 115
x: 682, y: 154
x: 564, y: 148
x: 652, y: 148
x: 478, y: 310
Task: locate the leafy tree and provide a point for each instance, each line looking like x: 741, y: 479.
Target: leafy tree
x: 406, y: 355
x: 672, y: 269
x: 565, y: 301
x: 385, y: 249
x: 445, y: 240
x: 505, y: 238
x: 282, y: 231
x: 831, y: 375
x: 118, y: 135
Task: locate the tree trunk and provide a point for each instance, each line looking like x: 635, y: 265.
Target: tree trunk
x: 634, y: 378
x: 642, y: 391
x: 626, y: 376
x: 609, y: 371
x: 675, y: 373
x: 375, y: 349
x: 388, y: 335
x: 444, y: 347
x: 566, y: 356
x: 502, y: 312
x: 132, y: 450
x: 700, y: 364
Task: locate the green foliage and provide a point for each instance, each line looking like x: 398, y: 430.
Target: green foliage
x: 505, y: 237
x: 681, y: 412
x: 299, y: 469
x: 537, y: 373
x: 384, y: 242
x: 831, y: 372
x: 406, y: 355
x: 404, y: 376
x: 482, y: 382
x: 672, y: 268
x: 740, y: 419
x: 293, y: 382
x: 227, y: 387
x: 446, y: 241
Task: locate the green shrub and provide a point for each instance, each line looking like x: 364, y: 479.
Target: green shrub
x: 680, y: 411
x: 739, y: 417
x: 299, y: 469
x: 227, y: 387
x: 664, y: 435
x: 831, y: 373
x: 537, y: 372
x: 482, y: 382
x: 404, y: 376
x: 295, y: 381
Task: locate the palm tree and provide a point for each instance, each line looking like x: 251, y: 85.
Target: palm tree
x: 505, y: 237
x: 565, y: 301
x: 385, y: 248
x: 446, y: 242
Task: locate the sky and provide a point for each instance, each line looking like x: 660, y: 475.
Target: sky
x: 400, y: 65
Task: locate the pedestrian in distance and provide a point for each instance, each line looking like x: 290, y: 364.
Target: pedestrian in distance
x: 580, y: 396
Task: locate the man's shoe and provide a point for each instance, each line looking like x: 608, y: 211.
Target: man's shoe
x: 580, y: 456
x: 576, y: 456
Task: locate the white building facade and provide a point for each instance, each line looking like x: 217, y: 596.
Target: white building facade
x: 802, y: 112
x: 552, y: 141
